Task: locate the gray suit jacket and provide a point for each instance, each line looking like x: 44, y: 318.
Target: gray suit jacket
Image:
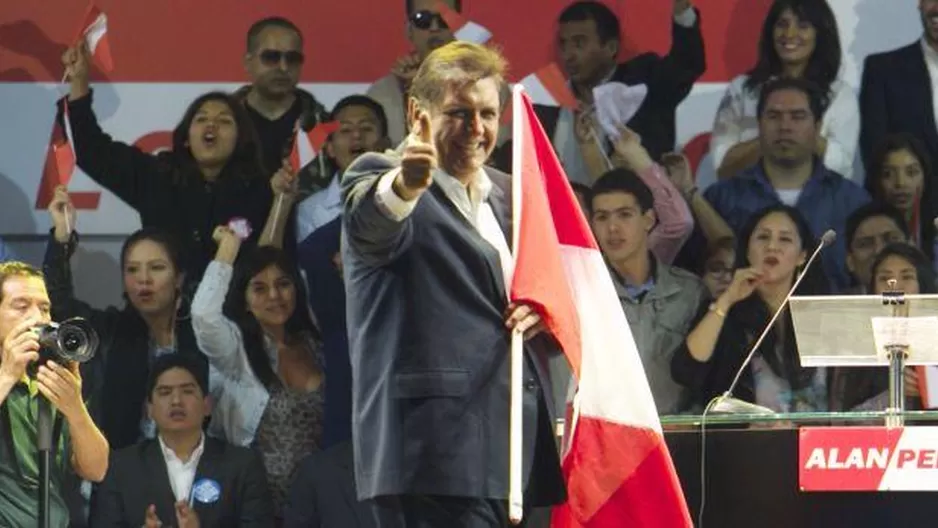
x: 429, y: 350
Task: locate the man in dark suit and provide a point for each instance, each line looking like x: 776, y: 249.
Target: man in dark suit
x: 182, y: 477
x: 588, y: 40
x: 897, y: 94
x: 426, y: 259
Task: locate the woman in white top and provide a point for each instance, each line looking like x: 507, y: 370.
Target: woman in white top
x: 799, y: 39
x: 252, y: 321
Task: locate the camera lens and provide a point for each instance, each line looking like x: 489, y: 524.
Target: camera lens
x: 72, y: 341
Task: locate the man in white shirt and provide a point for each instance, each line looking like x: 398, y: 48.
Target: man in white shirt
x: 182, y: 477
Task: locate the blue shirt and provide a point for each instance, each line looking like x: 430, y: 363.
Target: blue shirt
x: 826, y: 200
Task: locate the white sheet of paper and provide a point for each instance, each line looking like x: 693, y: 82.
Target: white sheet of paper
x: 616, y: 104
x: 917, y: 333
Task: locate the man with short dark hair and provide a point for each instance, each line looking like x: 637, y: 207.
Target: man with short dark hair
x: 869, y: 229
x: 589, y: 43
x: 274, y: 60
x: 182, y: 477
x: 789, y: 172
x: 426, y: 31
x: 24, y: 305
x: 659, y: 301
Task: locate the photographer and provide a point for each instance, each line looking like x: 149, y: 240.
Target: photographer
x: 24, y: 304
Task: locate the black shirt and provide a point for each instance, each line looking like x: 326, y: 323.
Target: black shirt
x: 275, y: 136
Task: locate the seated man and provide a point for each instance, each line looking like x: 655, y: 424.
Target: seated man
x: 24, y: 304
x: 659, y: 301
x: 182, y: 478
x: 791, y: 173
x: 870, y: 229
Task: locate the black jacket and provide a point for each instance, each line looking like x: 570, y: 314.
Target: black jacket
x: 184, y: 205
x: 429, y: 350
x: 137, y: 477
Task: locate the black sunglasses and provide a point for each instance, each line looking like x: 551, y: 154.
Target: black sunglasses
x: 273, y: 57
x: 424, y: 18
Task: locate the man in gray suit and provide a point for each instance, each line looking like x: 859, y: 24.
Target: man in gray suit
x: 427, y: 261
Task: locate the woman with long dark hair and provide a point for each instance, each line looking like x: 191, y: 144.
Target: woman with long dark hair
x: 773, y: 249
x: 212, y: 174
x: 799, y: 39
x: 253, y: 323
x: 153, y: 321
x: 865, y: 388
x: 899, y: 170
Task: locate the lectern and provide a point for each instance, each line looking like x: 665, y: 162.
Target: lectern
x: 890, y: 330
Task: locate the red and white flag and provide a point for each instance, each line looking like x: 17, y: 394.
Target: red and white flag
x: 307, y: 144
x: 462, y: 28
x: 60, y: 166
x: 616, y: 464
x: 547, y: 86
x: 94, y: 31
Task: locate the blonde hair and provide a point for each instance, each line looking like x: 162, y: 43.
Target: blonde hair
x: 458, y: 63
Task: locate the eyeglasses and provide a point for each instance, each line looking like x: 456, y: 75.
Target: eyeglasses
x: 424, y: 18
x: 273, y: 57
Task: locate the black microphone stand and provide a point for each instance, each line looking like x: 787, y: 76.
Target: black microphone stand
x: 44, y: 442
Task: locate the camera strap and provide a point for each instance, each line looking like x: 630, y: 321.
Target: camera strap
x: 7, y: 433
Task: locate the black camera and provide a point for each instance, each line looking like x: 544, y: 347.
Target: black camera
x: 71, y: 340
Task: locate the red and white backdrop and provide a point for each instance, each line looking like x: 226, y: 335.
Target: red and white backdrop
x: 167, y: 52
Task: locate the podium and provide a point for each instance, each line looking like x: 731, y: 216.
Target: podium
x: 752, y: 474
x: 891, y: 330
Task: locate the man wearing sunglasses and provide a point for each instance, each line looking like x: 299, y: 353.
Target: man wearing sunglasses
x: 426, y: 31
x: 273, y: 61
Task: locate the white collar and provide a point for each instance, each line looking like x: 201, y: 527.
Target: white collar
x: 169, y: 454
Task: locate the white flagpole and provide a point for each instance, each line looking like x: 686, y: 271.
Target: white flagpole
x: 516, y: 431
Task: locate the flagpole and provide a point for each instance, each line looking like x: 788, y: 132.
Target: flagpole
x: 515, y: 491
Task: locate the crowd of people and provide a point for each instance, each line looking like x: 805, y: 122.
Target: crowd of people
x: 223, y: 384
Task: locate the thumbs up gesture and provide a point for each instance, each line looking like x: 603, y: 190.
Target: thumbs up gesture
x: 418, y: 161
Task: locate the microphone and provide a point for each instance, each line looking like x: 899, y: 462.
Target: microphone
x: 726, y: 403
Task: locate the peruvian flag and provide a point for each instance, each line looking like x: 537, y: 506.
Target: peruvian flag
x: 616, y: 463
x: 60, y: 166
x: 307, y: 144
x: 547, y: 86
x: 462, y: 28
x: 94, y: 31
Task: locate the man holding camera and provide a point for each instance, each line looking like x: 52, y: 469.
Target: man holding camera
x: 24, y: 305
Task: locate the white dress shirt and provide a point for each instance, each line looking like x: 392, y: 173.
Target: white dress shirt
x: 319, y: 209
x: 182, y: 473
x: 471, y: 201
